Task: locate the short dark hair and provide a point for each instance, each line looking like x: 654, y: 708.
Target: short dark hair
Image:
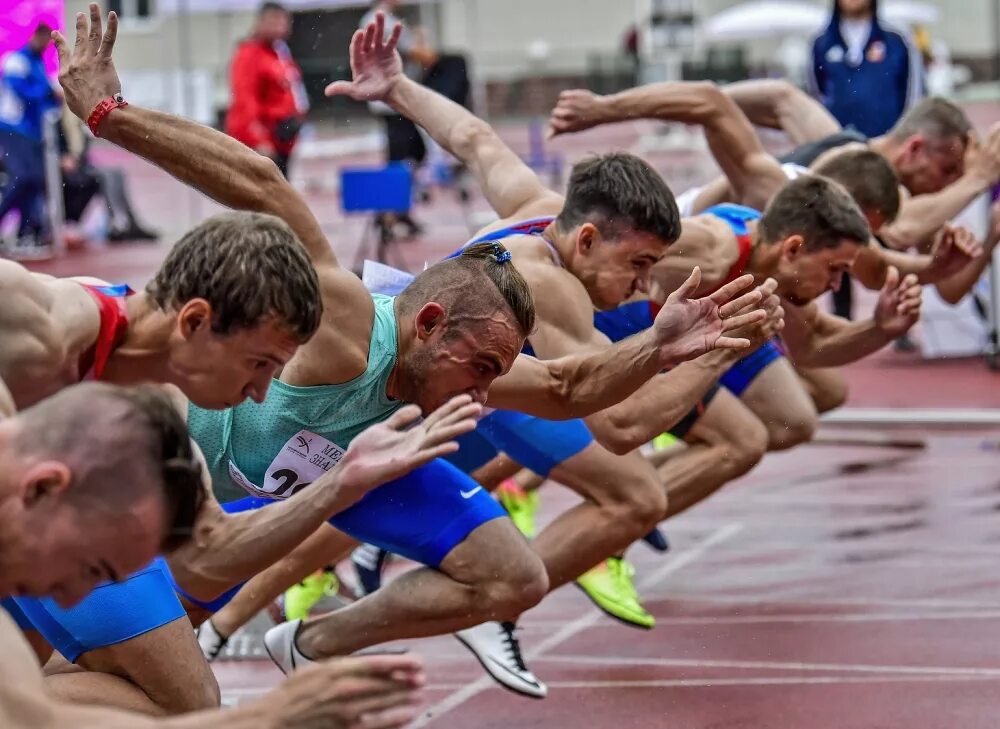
x: 170, y: 446
x: 458, y: 285
x: 818, y: 209
x: 933, y: 117
x: 248, y: 266
x: 619, y: 192
x: 86, y: 425
x: 868, y: 178
x: 43, y: 29
x: 271, y: 7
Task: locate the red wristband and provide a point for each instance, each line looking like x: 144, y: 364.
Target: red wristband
x: 103, y: 109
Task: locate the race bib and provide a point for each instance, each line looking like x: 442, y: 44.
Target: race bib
x: 305, y: 457
x: 386, y: 280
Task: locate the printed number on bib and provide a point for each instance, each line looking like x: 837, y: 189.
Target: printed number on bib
x: 305, y: 457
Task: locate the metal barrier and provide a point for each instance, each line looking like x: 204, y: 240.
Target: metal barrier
x: 53, y: 180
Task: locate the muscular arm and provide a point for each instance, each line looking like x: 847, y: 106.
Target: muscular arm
x: 597, y: 376
x: 625, y: 421
x: 216, y: 165
x: 610, y: 384
x: 230, y: 548
x: 873, y: 263
x: 754, y: 174
x: 922, y: 216
x: 817, y: 339
x: 238, y: 177
x: 25, y: 705
x: 510, y: 186
x: 781, y: 105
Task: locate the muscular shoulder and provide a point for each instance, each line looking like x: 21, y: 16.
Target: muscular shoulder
x: 561, y: 301
x: 28, y: 329
x: 43, y: 323
x: 706, y: 242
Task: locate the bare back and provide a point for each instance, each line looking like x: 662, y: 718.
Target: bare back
x: 564, y: 321
x: 706, y: 242
x: 46, y: 325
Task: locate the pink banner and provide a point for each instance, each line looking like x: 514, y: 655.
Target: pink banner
x: 18, y: 20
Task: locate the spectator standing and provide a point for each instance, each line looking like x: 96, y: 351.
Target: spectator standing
x: 26, y: 95
x: 268, y: 99
x: 403, y: 140
x: 867, y: 74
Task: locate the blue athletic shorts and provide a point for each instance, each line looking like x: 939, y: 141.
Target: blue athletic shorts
x: 474, y: 452
x: 635, y: 317
x: 745, y: 371
x: 422, y: 516
x: 15, y: 612
x: 538, y: 445
x: 626, y: 320
x: 112, y: 613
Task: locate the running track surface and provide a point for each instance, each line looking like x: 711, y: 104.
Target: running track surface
x: 835, y: 587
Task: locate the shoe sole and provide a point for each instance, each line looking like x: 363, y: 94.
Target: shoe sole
x: 489, y: 673
x: 620, y: 619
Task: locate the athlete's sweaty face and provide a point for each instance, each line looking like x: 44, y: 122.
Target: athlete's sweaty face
x: 66, y: 549
x: 462, y: 359
x: 613, y: 270
x: 804, y: 275
x: 218, y: 371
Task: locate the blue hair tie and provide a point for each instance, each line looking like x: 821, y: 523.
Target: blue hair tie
x: 503, y: 257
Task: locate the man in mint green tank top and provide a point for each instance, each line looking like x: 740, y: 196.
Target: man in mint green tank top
x: 458, y: 329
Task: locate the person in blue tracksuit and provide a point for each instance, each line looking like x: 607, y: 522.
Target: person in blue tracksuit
x: 26, y: 94
x: 866, y: 74
x: 863, y: 70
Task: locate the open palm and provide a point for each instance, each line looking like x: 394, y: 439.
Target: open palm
x: 375, y: 63
x: 392, y: 448
x: 687, y: 327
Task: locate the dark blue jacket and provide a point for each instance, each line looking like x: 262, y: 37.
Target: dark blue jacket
x: 870, y: 97
x: 25, y: 93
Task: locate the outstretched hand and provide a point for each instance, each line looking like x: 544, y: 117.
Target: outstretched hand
x: 898, y: 306
x: 393, y: 448
x: 375, y: 64
x: 773, y: 322
x: 359, y: 692
x: 686, y: 327
x: 87, y: 73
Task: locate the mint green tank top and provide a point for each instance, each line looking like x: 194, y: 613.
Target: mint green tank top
x: 276, y: 448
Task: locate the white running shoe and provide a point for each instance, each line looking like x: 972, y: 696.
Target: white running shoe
x: 496, y: 647
x: 279, y: 642
x: 210, y: 641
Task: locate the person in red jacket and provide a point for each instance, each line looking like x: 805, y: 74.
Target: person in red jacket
x: 268, y: 97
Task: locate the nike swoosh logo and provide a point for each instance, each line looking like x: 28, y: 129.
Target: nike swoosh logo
x: 470, y: 494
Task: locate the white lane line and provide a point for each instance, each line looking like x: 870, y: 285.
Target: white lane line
x: 806, y: 601
x: 234, y: 696
x: 774, y: 665
x: 571, y: 629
